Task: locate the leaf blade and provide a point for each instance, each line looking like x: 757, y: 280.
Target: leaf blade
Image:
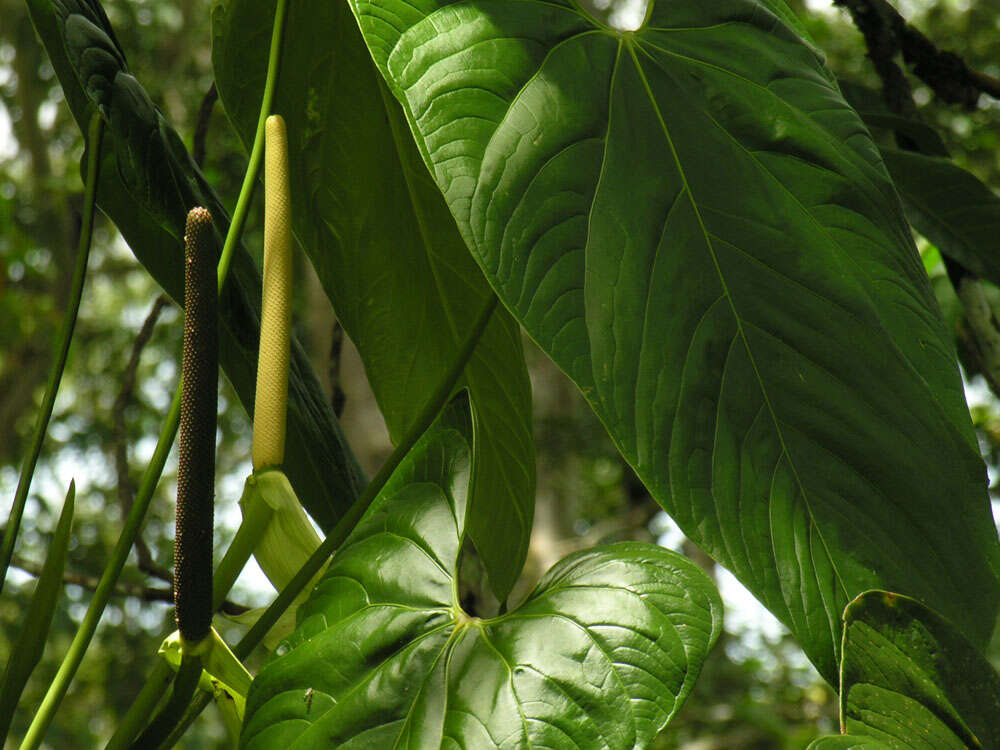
x: 604, y: 651
x: 387, y: 250
x: 695, y: 226
x: 949, y: 206
x: 910, y: 677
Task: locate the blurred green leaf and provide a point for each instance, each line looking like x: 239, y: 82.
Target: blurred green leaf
x: 951, y: 207
x: 386, y: 249
x: 601, y: 655
x: 148, y: 183
x: 30, y: 645
x: 693, y: 223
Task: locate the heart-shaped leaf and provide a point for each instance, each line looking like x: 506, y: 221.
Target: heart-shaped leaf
x: 386, y: 249
x: 697, y: 228
x: 148, y: 182
x: 911, y: 680
x: 600, y: 655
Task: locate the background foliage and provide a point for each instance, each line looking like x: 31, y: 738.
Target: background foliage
x: 756, y: 689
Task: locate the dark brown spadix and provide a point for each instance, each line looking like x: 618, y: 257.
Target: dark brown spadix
x: 196, y: 463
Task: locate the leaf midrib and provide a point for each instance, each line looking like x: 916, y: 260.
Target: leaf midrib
x: 738, y: 319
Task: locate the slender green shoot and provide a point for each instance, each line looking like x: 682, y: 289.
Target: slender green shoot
x: 94, y: 133
x: 145, y: 703
x: 30, y: 645
x: 185, y: 683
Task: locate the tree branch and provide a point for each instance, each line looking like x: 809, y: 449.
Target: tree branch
x: 887, y: 33
x: 145, y: 593
x: 126, y: 490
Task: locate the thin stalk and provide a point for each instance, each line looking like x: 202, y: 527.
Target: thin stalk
x: 257, y: 151
x: 69, y: 323
x: 143, y: 706
x: 105, y: 587
x: 185, y: 683
x: 346, y: 525
x: 248, y: 535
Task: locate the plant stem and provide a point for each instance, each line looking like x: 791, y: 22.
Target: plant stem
x: 143, y: 706
x: 105, y: 587
x: 247, y: 536
x: 257, y: 151
x: 185, y: 683
x: 346, y: 525
x: 69, y: 323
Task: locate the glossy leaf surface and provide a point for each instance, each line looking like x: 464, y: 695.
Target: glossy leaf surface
x: 912, y: 680
x: 386, y: 249
x: 148, y: 182
x: 694, y: 225
x: 600, y: 655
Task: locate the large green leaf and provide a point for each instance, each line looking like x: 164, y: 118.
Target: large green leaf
x: 600, y: 655
x: 148, y: 183
x: 694, y: 225
x: 911, y: 680
x: 387, y: 250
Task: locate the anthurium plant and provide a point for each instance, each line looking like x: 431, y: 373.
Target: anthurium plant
x: 678, y: 204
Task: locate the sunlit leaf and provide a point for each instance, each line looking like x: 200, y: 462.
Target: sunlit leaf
x: 600, y: 655
x: 695, y: 226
